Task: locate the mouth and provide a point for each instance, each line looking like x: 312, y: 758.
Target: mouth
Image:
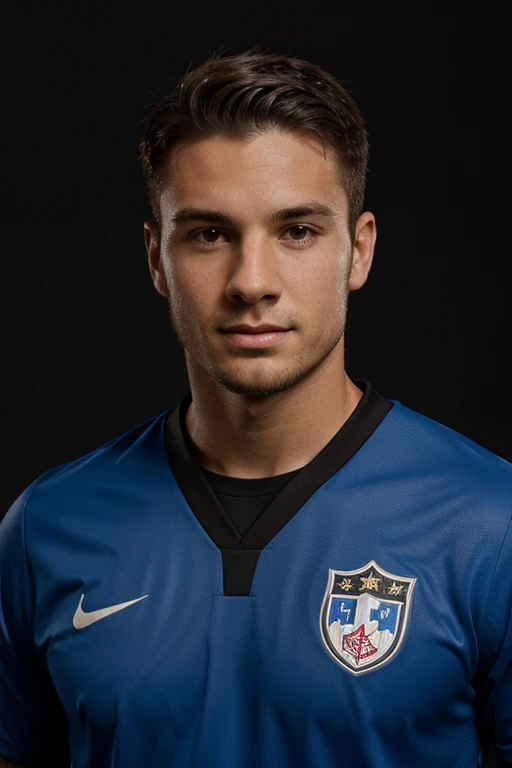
x: 253, y: 340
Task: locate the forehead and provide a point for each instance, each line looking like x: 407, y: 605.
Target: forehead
x: 272, y: 169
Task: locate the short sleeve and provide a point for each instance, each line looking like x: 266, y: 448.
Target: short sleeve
x: 33, y: 725
x: 495, y: 641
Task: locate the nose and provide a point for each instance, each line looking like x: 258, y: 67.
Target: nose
x: 254, y: 272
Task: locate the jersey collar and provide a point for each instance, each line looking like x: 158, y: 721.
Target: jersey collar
x: 366, y: 417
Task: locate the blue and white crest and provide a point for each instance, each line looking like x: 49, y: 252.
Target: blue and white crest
x: 364, y: 616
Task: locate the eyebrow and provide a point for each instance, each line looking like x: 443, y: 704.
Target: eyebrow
x: 312, y: 208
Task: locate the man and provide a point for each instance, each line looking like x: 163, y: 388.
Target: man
x: 286, y: 569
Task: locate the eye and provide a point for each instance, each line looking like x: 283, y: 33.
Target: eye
x: 210, y: 236
x: 298, y: 233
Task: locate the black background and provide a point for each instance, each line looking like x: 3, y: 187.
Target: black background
x: 89, y: 350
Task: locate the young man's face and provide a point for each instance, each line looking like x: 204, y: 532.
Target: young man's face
x: 247, y: 262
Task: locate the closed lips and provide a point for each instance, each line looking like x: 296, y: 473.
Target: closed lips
x: 253, y: 329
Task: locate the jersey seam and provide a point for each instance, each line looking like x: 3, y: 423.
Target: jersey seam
x: 492, y: 460
x: 30, y: 567
x: 502, y: 547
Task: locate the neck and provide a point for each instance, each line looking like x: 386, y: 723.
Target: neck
x: 240, y: 436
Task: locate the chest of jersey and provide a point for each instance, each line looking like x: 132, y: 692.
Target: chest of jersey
x: 332, y: 659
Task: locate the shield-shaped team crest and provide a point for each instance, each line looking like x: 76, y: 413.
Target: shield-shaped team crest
x: 364, y: 616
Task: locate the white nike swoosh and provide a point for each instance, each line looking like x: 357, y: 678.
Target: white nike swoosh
x: 82, y: 619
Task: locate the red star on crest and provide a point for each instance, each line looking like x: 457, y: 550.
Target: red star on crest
x: 358, y: 644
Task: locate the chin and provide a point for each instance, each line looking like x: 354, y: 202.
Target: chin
x: 251, y: 391
x: 258, y: 386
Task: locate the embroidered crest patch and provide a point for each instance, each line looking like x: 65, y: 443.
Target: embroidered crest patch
x: 364, y: 616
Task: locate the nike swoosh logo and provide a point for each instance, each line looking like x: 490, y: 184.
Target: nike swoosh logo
x: 82, y: 619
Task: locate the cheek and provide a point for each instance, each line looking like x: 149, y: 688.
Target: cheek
x: 189, y: 289
x: 325, y: 287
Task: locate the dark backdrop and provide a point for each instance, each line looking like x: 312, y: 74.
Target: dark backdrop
x: 89, y: 349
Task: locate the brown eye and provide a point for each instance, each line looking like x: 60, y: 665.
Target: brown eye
x: 210, y: 235
x: 300, y: 234
x: 298, y: 231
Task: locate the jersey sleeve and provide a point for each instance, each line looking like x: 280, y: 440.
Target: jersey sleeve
x: 495, y: 634
x: 33, y: 726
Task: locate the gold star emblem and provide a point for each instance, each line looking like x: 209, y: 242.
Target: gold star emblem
x: 395, y: 589
x: 370, y: 582
x: 346, y: 585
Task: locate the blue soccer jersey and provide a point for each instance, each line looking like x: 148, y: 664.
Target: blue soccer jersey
x: 362, y: 620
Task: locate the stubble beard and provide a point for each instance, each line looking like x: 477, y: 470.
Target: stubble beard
x: 264, y: 382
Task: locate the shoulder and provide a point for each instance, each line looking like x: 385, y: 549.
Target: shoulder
x: 461, y: 484
x: 422, y: 439
x: 110, y: 464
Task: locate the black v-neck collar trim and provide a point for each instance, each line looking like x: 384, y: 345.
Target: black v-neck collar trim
x: 366, y: 417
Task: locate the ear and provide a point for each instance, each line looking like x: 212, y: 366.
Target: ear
x: 362, y: 252
x: 156, y: 267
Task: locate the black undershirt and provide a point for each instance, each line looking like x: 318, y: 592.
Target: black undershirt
x: 245, y: 499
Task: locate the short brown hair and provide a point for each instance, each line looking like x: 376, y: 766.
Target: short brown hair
x: 246, y: 94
